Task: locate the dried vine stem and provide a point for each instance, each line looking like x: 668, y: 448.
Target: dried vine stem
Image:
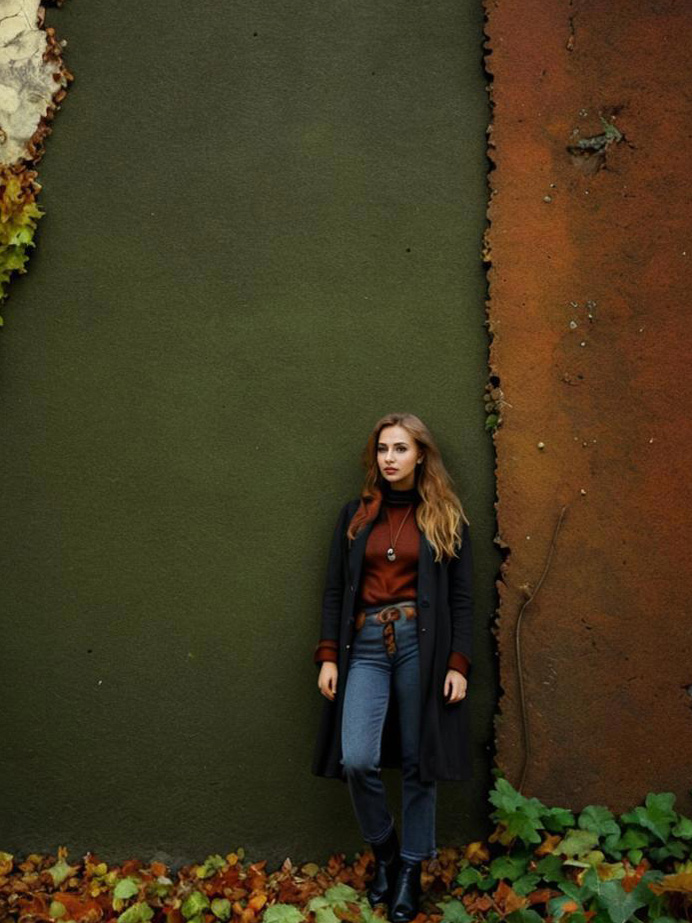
x: 517, y: 644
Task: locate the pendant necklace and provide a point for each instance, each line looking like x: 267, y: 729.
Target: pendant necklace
x: 391, y: 556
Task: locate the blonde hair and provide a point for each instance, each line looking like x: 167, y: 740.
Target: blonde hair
x: 440, y: 513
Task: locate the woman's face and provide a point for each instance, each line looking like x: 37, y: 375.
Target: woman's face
x: 397, y: 456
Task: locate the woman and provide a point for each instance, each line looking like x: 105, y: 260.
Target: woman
x: 397, y: 611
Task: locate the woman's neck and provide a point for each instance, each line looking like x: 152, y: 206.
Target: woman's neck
x: 397, y: 497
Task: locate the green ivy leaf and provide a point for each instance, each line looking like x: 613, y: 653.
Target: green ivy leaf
x: 506, y: 797
x: 657, y: 815
x: 367, y: 913
x: 577, y: 843
x: 137, y: 913
x: 485, y: 884
x: 221, y: 908
x: 633, y: 839
x: 316, y: 905
x: 454, y: 912
x: 339, y: 894
x: 673, y: 849
x: 57, y: 910
x: 600, y: 820
x: 469, y: 876
x: 524, y: 915
x: 61, y: 870
x: 509, y: 867
x: 126, y: 888
x: 550, y: 868
x: 280, y: 913
x: 558, y: 819
x: 526, y: 884
x: 683, y: 828
x: 574, y: 891
x: 326, y: 915
x: 620, y: 904
x: 194, y: 903
x: 521, y: 816
x: 210, y: 866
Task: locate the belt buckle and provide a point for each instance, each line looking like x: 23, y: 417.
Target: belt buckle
x: 388, y: 614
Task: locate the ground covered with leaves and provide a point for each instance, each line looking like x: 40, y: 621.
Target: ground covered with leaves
x: 540, y: 863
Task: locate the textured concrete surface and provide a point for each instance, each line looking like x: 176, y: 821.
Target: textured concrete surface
x: 262, y: 231
x: 590, y: 251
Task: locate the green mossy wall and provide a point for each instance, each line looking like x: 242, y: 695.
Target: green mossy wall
x: 263, y: 231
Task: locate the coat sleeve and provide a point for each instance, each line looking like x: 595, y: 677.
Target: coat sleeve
x: 461, y: 605
x: 332, y: 597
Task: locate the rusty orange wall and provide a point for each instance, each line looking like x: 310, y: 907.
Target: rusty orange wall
x: 589, y: 246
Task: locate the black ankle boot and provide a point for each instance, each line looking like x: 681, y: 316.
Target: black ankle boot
x: 406, y: 894
x: 387, y: 866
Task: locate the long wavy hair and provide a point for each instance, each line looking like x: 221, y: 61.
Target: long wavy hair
x: 440, y: 513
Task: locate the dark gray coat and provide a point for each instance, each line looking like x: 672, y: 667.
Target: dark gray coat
x: 445, y: 623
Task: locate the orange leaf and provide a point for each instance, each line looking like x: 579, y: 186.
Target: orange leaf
x: 79, y: 908
x: 681, y: 882
x: 548, y: 845
x: 479, y: 903
x: 477, y: 852
x: 507, y: 898
x: 174, y: 915
x: 35, y: 907
x: 543, y: 895
x: 258, y: 901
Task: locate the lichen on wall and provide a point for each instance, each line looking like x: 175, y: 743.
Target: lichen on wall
x: 33, y: 82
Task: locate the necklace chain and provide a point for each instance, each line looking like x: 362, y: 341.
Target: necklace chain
x: 391, y: 556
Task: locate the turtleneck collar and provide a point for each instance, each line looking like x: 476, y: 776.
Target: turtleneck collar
x: 394, y: 497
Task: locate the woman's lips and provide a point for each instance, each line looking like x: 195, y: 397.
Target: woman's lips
x: 390, y: 470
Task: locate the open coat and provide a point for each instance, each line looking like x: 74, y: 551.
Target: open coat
x: 444, y: 623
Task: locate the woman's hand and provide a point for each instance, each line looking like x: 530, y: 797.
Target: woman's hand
x: 455, y: 686
x: 326, y: 681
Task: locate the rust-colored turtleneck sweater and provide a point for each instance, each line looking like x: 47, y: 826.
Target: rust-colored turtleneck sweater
x: 384, y: 581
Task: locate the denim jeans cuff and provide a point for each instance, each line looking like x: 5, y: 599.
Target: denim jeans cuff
x: 409, y: 858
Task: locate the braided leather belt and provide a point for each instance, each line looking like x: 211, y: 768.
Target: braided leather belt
x: 387, y: 615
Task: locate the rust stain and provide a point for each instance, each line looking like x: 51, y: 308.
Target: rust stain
x: 588, y: 250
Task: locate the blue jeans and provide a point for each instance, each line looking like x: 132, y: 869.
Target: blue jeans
x: 374, y: 667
